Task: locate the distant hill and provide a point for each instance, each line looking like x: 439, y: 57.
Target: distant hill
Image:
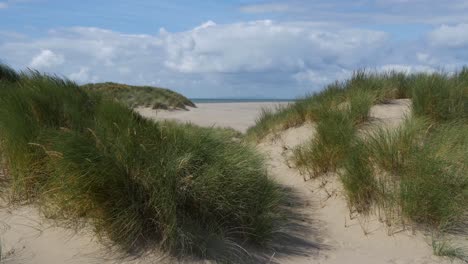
x: 142, y: 96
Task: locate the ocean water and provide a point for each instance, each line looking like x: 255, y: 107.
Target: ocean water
x: 213, y: 100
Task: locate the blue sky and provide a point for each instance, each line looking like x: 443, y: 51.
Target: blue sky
x: 232, y: 48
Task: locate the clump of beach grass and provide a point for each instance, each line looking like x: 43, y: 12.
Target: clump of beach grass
x: 363, y: 86
x: 446, y: 248
x: 327, y: 150
x: 441, y: 97
x: 358, y: 180
x: 142, y: 184
x: 335, y: 131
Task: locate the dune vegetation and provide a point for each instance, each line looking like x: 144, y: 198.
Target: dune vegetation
x: 141, y: 96
x: 415, y: 174
x: 84, y: 158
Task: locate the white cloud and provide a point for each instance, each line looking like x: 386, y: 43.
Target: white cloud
x: 450, y: 36
x: 319, y: 77
x: 257, y: 58
x: 81, y: 76
x: 46, y: 59
x: 266, y: 46
x: 3, y: 5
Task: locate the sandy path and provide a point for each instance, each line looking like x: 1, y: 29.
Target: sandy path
x: 350, y: 238
x: 336, y: 235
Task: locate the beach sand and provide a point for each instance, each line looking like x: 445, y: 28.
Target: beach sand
x: 336, y: 235
x: 239, y: 116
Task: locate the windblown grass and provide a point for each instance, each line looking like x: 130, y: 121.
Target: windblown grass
x: 413, y: 174
x: 8, y: 74
x: 422, y: 168
x: 327, y: 150
x: 141, y: 96
x: 336, y: 129
x: 358, y: 179
x: 141, y: 184
x: 447, y: 249
x: 441, y: 97
x: 390, y: 148
x: 364, y: 86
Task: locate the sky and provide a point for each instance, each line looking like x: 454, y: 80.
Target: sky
x: 232, y: 48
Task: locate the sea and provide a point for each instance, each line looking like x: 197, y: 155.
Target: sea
x: 233, y: 100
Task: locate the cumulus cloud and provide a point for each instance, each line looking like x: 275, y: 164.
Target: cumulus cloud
x: 46, y: 59
x: 450, y: 36
x: 80, y: 76
x: 257, y: 58
x: 261, y: 46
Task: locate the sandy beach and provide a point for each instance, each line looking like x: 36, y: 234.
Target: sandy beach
x: 337, y: 235
x: 238, y: 116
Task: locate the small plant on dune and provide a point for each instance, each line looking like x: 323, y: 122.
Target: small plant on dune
x: 335, y: 132
x: 425, y: 169
x: 446, y: 249
x: 358, y: 179
x: 280, y: 118
x: 184, y: 188
x: 327, y: 150
x: 360, y: 103
x: 434, y: 184
x: 440, y: 97
x: 264, y: 124
x: 390, y: 148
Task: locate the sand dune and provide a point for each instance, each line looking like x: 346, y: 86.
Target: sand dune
x: 337, y: 235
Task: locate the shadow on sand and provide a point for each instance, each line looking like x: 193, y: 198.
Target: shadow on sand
x: 299, y: 235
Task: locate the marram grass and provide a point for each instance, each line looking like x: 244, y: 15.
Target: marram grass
x: 141, y: 96
x: 413, y: 174
x: 141, y: 184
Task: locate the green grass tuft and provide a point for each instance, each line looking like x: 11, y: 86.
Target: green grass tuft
x: 358, y: 178
x: 141, y: 183
x: 441, y: 97
x: 335, y: 131
x: 446, y: 249
x: 328, y: 149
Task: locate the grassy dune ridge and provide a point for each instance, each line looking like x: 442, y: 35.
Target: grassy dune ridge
x: 141, y: 96
x: 415, y: 174
x: 80, y: 156
x: 379, y: 87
